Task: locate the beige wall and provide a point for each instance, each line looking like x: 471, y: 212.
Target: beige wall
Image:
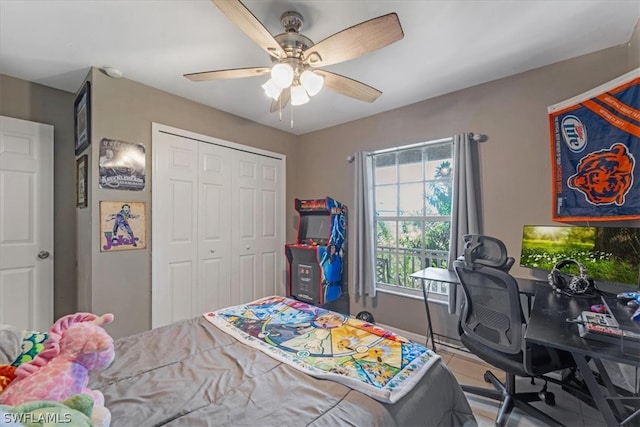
x: 634, y: 48
x: 120, y: 282
x: 515, y: 161
x: 29, y: 101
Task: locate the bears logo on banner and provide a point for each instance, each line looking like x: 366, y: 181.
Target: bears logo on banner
x: 595, y: 145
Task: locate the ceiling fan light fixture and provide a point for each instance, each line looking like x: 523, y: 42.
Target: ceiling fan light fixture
x: 272, y: 89
x: 282, y: 75
x: 312, y: 82
x: 298, y: 95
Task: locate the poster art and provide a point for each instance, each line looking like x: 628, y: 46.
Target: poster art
x: 595, y: 146
x: 122, y: 165
x: 122, y: 226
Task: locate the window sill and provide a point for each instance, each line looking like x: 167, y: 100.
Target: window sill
x: 413, y: 294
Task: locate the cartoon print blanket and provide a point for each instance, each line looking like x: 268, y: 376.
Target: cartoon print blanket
x: 329, y: 345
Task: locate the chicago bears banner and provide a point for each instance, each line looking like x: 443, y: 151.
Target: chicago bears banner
x: 595, y: 146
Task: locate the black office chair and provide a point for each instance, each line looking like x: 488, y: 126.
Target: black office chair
x: 492, y: 327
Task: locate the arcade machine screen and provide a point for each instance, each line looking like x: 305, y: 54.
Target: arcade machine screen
x: 315, y: 229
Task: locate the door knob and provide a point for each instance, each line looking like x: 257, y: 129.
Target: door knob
x: 212, y: 250
x: 43, y: 254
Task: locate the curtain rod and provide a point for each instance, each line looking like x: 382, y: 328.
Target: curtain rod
x: 477, y: 137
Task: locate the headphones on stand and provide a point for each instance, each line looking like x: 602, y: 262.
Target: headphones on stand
x: 569, y: 284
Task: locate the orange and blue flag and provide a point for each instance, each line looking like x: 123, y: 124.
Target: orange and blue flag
x: 595, y: 148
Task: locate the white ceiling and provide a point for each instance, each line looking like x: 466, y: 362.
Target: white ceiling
x: 448, y: 45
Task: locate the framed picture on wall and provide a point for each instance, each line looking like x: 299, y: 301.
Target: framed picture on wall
x: 122, y: 165
x: 81, y: 181
x: 82, y: 118
x: 122, y: 226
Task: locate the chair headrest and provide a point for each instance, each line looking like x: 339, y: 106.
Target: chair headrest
x: 485, y: 250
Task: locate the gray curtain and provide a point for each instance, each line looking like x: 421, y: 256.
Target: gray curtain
x: 465, y: 210
x: 365, y: 260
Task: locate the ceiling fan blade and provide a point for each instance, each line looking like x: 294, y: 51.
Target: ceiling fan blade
x: 234, y: 73
x: 355, y: 41
x: 281, y: 102
x: 247, y: 22
x: 348, y: 87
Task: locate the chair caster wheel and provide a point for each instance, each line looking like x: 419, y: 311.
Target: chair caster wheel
x: 549, y: 398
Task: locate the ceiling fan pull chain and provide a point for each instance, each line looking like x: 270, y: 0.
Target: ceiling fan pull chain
x: 291, y: 116
x: 280, y: 109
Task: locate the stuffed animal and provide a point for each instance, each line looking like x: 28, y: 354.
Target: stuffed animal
x: 77, y: 345
x: 10, y: 343
x: 32, y: 344
x: 7, y: 374
x: 72, y: 412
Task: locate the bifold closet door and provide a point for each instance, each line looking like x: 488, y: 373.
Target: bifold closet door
x: 218, y: 228
x: 192, y: 193
x: 257, y: 203
x: 214, y: 287
x: 175, y: 237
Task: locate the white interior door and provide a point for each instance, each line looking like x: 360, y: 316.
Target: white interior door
x: 272, y: 228
x: 214, y: 231
x: 257, y: 246
x: 175, y: 219
x: 246, y: 228
x: 217, y: 224
x: 26, y: 224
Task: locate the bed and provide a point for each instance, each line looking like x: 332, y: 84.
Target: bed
x: 193, y: 373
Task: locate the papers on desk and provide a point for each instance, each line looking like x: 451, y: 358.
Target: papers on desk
x: 604, y: 327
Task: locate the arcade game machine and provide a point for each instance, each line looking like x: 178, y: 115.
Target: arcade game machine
x: 317, y: 262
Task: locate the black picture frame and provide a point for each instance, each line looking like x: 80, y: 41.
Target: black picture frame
x: 82, y: 181
x: 82, y: 118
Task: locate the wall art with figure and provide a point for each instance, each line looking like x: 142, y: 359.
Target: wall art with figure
x: 122, y: 165
x: 122, y: 226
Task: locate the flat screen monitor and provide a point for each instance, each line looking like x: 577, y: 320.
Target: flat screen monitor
x: 315, y: 228
x: 610, y: 254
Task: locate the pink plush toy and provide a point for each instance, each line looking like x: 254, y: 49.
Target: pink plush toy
x: 77, y: 344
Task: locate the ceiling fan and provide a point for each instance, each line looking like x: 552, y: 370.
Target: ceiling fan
x: 295, y: 75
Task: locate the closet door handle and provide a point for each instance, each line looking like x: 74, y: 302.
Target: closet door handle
x: 212, y: 250
x: 248, y: 247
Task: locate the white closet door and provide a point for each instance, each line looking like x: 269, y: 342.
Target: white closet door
x: 257, y: 248
x: 214, y: 231
x: 218, y: 224
x: 271, y: 213
x: 246, y: 227
x: 175, y: 242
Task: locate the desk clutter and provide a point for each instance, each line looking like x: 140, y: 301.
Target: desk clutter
x: 601, y: 322
x: 599, y: 359
x: 632, y: 299
x: 604, y: 327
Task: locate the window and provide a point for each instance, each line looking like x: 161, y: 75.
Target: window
x: 412, y: 199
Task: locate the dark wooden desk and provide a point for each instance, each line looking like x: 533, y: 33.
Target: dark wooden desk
x: 527, y: 287
x: 548, y: 326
